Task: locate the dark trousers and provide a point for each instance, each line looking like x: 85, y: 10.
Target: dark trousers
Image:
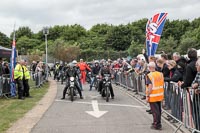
x: 67, y: 86
x: 156, y: 111
x: 26, y: 88
x: 101, y: 85
x: 20, y: 88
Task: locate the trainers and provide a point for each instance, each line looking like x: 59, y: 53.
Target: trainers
x: 81, y: 97
x: 62, y: 98
x: 113, y: 97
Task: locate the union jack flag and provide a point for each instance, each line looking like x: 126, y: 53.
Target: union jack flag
x: 12, y: 67
x: 154, y: 30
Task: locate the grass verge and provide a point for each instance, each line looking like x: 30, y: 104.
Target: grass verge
x: 12, y: 109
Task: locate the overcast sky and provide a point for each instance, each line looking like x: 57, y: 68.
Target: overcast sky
x: 39, y: 13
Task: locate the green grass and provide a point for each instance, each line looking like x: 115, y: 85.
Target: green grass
x: 13, y: 109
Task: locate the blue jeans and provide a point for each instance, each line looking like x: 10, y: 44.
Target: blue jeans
x: 92, y: 82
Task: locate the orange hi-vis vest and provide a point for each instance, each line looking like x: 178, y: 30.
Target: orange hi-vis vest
x: 157, y: 92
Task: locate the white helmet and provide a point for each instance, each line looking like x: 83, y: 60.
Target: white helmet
x: 74, y: 62
x: 96, y: 61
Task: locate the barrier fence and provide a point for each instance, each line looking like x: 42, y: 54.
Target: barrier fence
x: 182, y: 106
x: 38, y: 77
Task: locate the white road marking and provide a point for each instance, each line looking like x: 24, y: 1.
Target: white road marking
x: 96, y: 113
x: 102, y: 104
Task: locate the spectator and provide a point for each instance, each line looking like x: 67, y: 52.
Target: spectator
x: 161, y: 64
x: 180, y: 60
x: 1, y: 67
x: 191, y: 70
x: 6, y: 68
x: 196, y: 87
x: 176, y: 72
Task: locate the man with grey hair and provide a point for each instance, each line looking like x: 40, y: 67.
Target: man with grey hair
x: 155, y: 94
x: 181, y: 61
x: 176, y: 56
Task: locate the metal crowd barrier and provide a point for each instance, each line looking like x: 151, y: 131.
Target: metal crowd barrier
x: 181, y: 105
x: 39, y: 78
x: 4, y: 85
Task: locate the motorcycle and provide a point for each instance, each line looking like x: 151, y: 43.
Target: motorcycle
x: 96, y: 82
x: 106, y: 87
x: 72, y: 88
x: 88, y: 77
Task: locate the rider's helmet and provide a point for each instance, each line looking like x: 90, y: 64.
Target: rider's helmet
x: 71, y: 65
x: 96, y: 62
x: 74, y: 62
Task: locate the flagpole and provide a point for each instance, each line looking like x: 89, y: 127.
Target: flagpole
x: 12, y: 62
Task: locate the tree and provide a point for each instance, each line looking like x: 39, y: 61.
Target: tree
x: 135, y: 49
x: 22, y: 31
x: 4, y: 41
x: 73, y: 32
x: 119, y: 38
x: 25, y: 45
x: 187, y: 43
x: 167, y: 45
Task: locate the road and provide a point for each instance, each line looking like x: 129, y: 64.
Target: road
x: 124, y: 114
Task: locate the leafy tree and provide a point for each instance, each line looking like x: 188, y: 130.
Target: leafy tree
x: 73, y: 32
x: 5, y: 41
x: 119, y: 38
x: 25, y: 45
x: 167, y: 45
x: 22, y: 31
x: 135, y: 49
x: 187, y: 43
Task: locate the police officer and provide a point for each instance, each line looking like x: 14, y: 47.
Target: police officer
x: 106, y: 70
x: 18, y: 76
x: 25, y: 80
x: 71, y: 72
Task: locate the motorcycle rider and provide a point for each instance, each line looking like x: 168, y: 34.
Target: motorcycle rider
x: 95, y: 71
x: 71, y: 72
x: 79, y: 73
x: 56, y: 69
x: 83, y: 67
x: 106, y: 70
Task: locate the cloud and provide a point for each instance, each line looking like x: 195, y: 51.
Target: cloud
x: 39, y: 13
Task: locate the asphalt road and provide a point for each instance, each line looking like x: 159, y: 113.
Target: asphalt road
x: 124, y: 114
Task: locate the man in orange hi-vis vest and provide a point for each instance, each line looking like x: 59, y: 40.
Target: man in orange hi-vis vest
x: 155, y: 94
x: 83, y: 67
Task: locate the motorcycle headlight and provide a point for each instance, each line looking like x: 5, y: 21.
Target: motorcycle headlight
x: 71, y: 78
x: 106, y: 78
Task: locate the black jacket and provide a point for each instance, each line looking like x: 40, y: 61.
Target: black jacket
x: 95, y: 70
x: 191, y: 72
x: 71, y: 73
x: 177, y: 75
x: 105, y: 71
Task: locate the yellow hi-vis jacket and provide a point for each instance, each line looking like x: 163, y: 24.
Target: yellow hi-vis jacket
x: 18, y: 72
x: 57, y: 66
x: 26, y: 73
x: 157, y: 92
